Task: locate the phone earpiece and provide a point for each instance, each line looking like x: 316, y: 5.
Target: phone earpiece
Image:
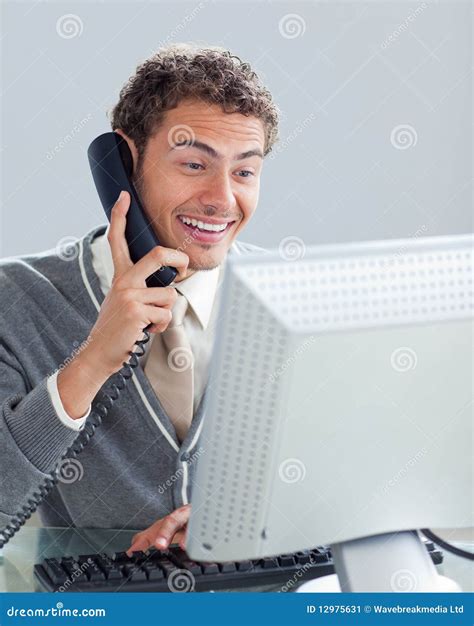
x: 126, y: 155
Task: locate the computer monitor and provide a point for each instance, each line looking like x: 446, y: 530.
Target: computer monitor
x: 340, y: 398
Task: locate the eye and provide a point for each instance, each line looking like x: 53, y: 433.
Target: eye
x: 194, y: 166
x: 245, y: 173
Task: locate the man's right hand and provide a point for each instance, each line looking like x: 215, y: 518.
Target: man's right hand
x: 130, y: 305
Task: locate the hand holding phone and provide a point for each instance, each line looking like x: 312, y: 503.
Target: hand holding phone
x: 130, y: 306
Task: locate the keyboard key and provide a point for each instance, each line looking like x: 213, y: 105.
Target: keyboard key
x: 121, y: 557
x: 318, y: 556
x: 269, y: 563
x: 191, y: 566
x: 74, y: 572
x: 303, y: 558
x: 167, y: 566
x: 55, y: 571
x: 93, y: 572
x: 210, y: 568
x: 139, y: 556
x: 153, y: 571
x: 244, y: 566
x: 114, y: 573
x: 133, y: 572
x: 228, y: 567
x: 287, y: 560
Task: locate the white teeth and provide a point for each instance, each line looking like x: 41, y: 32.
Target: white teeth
x: 203, y: 225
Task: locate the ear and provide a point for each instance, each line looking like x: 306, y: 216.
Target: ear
x: 131, y: 145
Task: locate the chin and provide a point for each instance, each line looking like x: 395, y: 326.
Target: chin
x: 202, y: 261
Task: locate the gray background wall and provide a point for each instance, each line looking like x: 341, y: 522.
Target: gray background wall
x: 376, y: 97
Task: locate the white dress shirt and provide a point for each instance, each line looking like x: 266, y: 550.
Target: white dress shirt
x: 200, y: 290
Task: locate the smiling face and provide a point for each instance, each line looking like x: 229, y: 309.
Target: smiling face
x: 199, y: 174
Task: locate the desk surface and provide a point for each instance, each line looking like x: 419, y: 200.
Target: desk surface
x: 31, y: 545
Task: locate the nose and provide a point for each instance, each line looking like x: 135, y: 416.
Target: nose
x: 218, y: 193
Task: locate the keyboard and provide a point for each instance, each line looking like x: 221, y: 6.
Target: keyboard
x: 173, y: 571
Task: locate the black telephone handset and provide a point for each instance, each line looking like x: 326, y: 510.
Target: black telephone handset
x: 111, y: 164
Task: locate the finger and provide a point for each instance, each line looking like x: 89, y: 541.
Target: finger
x: 178, y: 537
x: 170, y: 524
x: 184, y: 539
x: 156, y: 258
x: 116, y: 234
x: 142, y: 543
x: 159, y: 296
x: 159, y: 317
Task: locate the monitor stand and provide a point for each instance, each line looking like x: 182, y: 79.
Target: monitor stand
x: 391, y: 562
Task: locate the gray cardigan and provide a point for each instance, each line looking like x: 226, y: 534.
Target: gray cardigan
x: 134, y: 470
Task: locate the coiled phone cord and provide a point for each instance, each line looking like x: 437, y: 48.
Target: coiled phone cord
x: 98, y: 412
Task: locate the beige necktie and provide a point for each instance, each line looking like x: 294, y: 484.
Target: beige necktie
x: 169, y: 369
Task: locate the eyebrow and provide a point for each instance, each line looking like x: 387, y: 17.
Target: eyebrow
x: 209, y: 150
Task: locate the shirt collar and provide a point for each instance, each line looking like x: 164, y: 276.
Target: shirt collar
x: 199, y: 289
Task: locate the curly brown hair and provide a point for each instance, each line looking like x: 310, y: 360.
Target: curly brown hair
x: 185, y: 71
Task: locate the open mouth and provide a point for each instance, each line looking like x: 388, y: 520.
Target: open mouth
x: 205, y: 231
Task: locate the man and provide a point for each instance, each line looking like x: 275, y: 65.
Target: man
x: 198, y: 123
